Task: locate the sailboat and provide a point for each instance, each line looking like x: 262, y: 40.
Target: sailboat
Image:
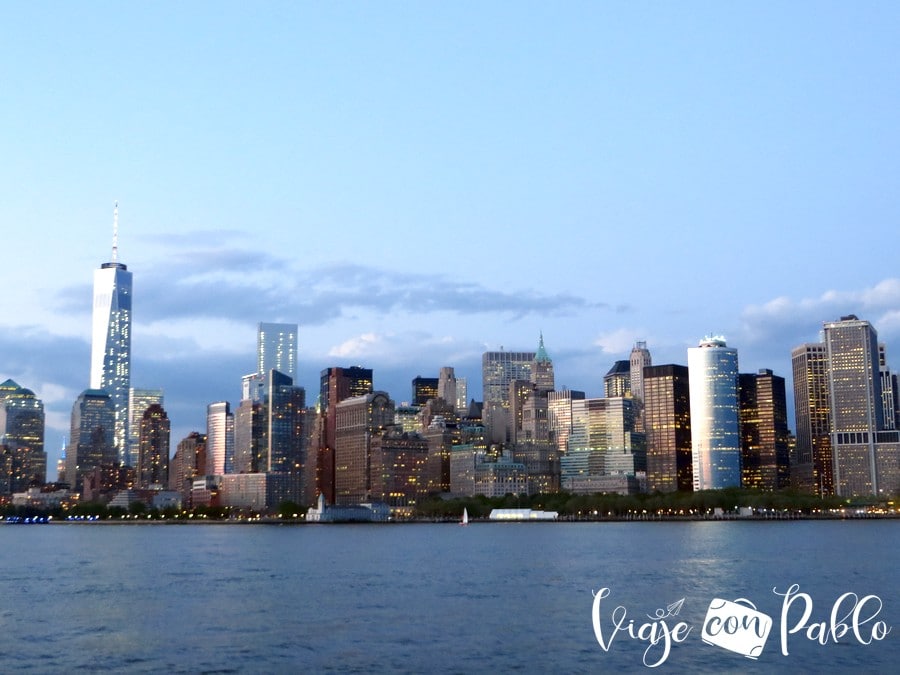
x: 465, y: 517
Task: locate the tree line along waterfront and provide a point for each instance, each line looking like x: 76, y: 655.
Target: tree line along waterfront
x: 706, y: 504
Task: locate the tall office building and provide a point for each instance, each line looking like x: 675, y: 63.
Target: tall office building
x: 424, y: 389
x: 559, y: 417
x: 250, y: 440
x: 857, y: 412
x: 812, y: 465
x: 285, y: 424
x: 617, y: 381
x: 542, y: 370
x: 605, y: 453
x: 153, y: 455
x: 111, y: 338
x: 447, y: 385
x: 138, y: 402
x: 276, y: 349
x: 188, y: 462
x: 219, y: 439
x: 765, y: 439
x: 357, y: 421
x: 336, y: 385
x: 715, y: 415
x: 889, y: 394
x: 667, y: 424
x: 91, y: 437
x: 21, y: 437
x: 640, y: 359
x: 498, y: 371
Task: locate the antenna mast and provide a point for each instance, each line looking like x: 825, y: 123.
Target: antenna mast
x: 115, y: 249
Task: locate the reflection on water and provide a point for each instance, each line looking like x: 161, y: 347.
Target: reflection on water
x: 417, y: 598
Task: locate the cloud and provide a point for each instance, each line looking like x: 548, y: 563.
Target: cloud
x: 239, y: 285
x: 619, y: 341
x: 784, y: 319
x: 357, y: 347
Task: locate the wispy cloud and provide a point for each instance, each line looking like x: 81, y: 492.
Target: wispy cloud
x: 242, y: 285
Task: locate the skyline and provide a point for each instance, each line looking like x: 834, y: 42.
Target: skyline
x: 416, y: 185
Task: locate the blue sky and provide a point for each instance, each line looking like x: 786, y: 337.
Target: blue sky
x: 415, y: 183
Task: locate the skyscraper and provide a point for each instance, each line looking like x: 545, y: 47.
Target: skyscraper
x: 336, y: 385
x: 138, y: 402
x: 219, y: 439
x: 111, y: 338
x: 424, y: 389
x: 640, y: 359
x: 857, y: 412
x: 764, y: 432
x: 812, y: 466
x: 542, y: 374
x: 498, y: 371
x: 22, y: 437
x: 447, y: 388
x: 276, y: 349
x: 153, y: 457
x: 357, y: 421
x: 91, y: 437
x: 667, y: 423
x: 617, y: 381
x: 715, y: 410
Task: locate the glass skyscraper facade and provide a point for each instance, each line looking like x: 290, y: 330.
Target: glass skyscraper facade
x: 111, y: 340
x: 715, y: 415
x: 21, y: 437
x: 276, y: 349
x: 91, y: 437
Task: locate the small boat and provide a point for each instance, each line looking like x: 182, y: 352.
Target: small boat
x: 465, y: 517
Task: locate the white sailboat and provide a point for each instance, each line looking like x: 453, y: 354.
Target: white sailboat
x: 465, y: 517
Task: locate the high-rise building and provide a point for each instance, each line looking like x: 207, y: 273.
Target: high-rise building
x: 617, y: 381
x: 285, y: 425
x: 153, y: 457
x: 603, y: 443
x: 715, y: 415
x: 667, y: 424
x: 21, y: 438
x: 219, y: 439
x: 138, y: 402
x: 498, y: 371
x: 424, y: 389
x: 91, y: 437
x: 888, y: 390
x: 276, y: 349
x: 857, y: 412
x: 397, y: 467
x: 542, y: 375
x: 559, y: 417
x: 357, y: 420
x: 188, y: 462
x: 462, y: 396
x: 250, y: 440
x: 640, y: 359
x: 765, y: 439
x: 812, y: 465
x: 447, y: 385
x: 111, y: 339
x: 336, y: 385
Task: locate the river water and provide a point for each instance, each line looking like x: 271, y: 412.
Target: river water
x: 417, y: 598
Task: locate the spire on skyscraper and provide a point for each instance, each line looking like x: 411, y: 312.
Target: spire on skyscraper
x: 115, y: 246
x: 541, y: 356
